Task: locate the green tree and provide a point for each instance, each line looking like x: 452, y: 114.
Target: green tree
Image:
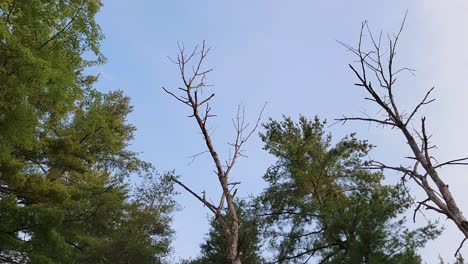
x: 141, y: 233
x: 213, y: 249
x: 322, y: 205
x: 42, y: 44
x: 64, y: 147
x: 69, y: 203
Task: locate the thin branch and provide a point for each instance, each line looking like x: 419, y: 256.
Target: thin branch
x: 423, y: 102
x: 344, y: 119
x: 193, y: 157
x: 240, y: 139
x: 65, y: 27
x: 206, y: 100
x: 311, y: 251
x: 453, y: 162
x: 460, y: 247
x: 201, y: 199
x: 177, y: 97
x: 418, y: 208
x: 75, y: 246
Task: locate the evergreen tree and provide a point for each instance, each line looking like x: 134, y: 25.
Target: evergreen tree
x: 64, y: 147
x: 321, y: 205
x: 213, y: 249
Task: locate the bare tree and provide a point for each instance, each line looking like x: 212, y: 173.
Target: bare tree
x: 191, y: 94
x: 377, y: 74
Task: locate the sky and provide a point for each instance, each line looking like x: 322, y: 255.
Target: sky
x: 284, y: 53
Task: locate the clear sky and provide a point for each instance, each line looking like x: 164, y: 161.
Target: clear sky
x: 284, y: 53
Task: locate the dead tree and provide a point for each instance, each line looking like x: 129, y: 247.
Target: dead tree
x: 377, y: 74
x: 191, y: 94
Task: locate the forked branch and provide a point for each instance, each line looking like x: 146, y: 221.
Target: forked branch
x: 378, y: 64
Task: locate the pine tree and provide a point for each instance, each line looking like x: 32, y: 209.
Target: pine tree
x: 321, y: 204
x: 64, y: 147
x: 213, y: 249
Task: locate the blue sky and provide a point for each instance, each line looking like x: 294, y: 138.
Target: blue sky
x: 284, y: 53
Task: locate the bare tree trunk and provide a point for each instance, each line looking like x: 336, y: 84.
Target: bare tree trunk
x: 193, y: 84
x: 377, y: 65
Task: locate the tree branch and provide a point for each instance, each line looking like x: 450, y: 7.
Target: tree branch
x: 65, y: 27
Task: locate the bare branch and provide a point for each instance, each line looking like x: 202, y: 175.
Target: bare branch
x: 201, y: 199
x: 423, y: 102
x: 460, y: 247
x: 206, y: 100
x: 193, y: 157
x: 180, y: 99
x: 240, y: 127
x: 461, y: 161
x: 344, y: 119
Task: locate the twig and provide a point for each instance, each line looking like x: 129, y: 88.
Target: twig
x: 201, y: 199
x: 460, y: 247
x: 65, y: 27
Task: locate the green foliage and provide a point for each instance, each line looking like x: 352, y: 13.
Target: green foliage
x: 321, y: 204
x: 63, y: 147
x: 42, y: 64
x: 68, y: 194
x: 459, y: 260
x: 141, y: 232
x: 213, y: 249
